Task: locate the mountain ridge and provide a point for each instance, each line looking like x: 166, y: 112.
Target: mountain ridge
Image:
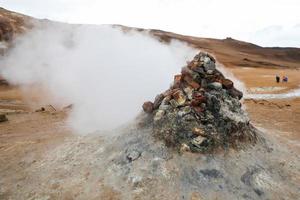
x: 230, y: 52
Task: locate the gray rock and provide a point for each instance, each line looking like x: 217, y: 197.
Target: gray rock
x: 215, y: 86
x: 203, y: 83
x: 184, y: 111
x: 158, y: 100
x: 210, y: 72
x: 189, y: 92
x: 174, y: 103
x: 159, y: 114
x: 199, y: 70
x: 208, y: 64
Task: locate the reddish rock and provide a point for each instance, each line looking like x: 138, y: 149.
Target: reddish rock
x: 198, y: 100
x: 186, y: 71
x: 198, y: 109
x: 177, y: 81
x: 194, y: 103
x: 227, y: 84
x: 148, y: 107
x: 168, y: 93
x: 177, y: 78
x: 189, y: 80
x: 192, y: 65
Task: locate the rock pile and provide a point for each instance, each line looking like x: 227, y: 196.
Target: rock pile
x: 201, y: 111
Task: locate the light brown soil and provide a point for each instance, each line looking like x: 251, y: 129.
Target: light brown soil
x: 280, y: 116
x: 265, y: 77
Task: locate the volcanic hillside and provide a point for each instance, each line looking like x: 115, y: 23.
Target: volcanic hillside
x: 229, y: 51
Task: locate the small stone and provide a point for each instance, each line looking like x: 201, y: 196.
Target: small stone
x: 199, y: 70
x: 203, y: 83
x: 211, y: 58
x: 208, y: 64
x: 177, y: 80
x: 198, y: 140
x: 42, y: 109
x: 235, y: 93
x: 158, y: 99
x: 184, y: 148
x: 215, y: 86
x: 198, y: 109
x: 3, y: 118
x: 189, y: 92
x: 196, y: 196
x: 196, y: 77
x: 197, y: 96
x: 203, y: 105
x: 165, y: 103
x: 210, y: 72
x: 227, y: 84
x: 189, y: 80
x: 177, y: 77
x: 198, y: 131
x: 159, y: 114
x: 206, y: 59
x: 186, y: 71
x: 193, y: 64
x: 168, y: 93
x: 179, y: 97
x: 133, y: 155
x: 148, y: 107
x: 174, y: 103
x: 184, y: 111
x: 164, y: 107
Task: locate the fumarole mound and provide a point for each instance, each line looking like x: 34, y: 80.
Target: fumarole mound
x: 201, y: 111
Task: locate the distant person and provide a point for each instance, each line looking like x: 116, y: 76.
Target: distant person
x: 277, y: 79
x: 285, y: 79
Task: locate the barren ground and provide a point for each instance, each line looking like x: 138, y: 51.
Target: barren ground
x: 28, y: 136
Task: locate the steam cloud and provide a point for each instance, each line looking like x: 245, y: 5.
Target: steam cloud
x: 105, y: 73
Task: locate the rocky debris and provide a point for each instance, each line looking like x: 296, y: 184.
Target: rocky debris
x: 201, y: 111
x: 3, y: 118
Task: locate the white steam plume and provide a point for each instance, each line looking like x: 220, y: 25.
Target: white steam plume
x: 106, y: 74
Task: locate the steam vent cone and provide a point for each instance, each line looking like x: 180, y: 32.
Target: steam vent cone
x: 201, y: 111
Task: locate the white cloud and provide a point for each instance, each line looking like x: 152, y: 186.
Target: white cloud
x: 214, y: 18
x: 283, y: 35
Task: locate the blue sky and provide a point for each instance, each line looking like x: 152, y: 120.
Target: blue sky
x: 264, y: 22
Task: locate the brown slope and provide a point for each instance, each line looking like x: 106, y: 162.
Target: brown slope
x: 12, y: 24
x: 232, y: 52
